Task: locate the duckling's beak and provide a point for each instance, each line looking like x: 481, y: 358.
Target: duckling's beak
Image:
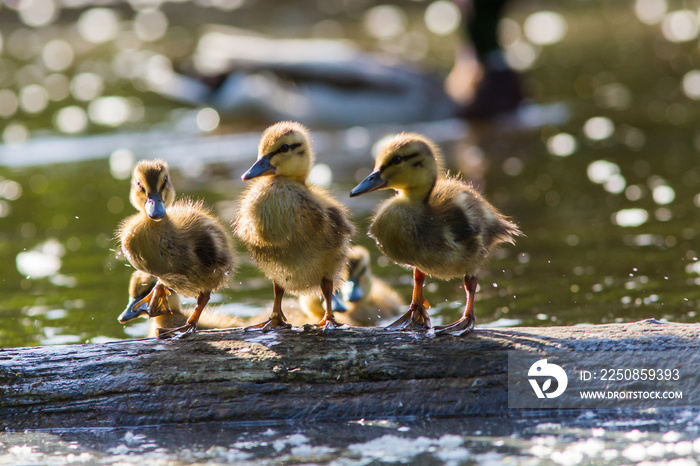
x: 155, y: 208
x: 373, y: 182
x: 356, y: 293
x: 259, y: 168
x: 337, y: 304
x: 130, y: 313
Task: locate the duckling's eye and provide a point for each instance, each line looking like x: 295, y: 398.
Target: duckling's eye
x: 284, y: 148
x: 396, y: 159
x: 138, y: 183
x: 165, y: 181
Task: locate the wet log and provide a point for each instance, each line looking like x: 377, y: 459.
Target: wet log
x: 290, y: 374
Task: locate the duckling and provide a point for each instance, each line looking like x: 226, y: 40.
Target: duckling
x: 435, y: 223
x: 296, y: 233
x: 141, y: 284
x: 179, y: 242
x: 369, y: 298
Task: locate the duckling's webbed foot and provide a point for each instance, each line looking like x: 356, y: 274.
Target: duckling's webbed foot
x: 277, y: 319
x: 191, y: 325
x: 465, y: 324
x: 274, y: 322
x: 159, y: 301
x: 178, y: 332
x: 416, y: 318
x: 328, y: 322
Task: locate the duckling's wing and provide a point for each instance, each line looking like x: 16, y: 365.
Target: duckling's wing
x: 335, y: 213
x: 339, y: 222
x: 470, y: 217
x: 462, y: 229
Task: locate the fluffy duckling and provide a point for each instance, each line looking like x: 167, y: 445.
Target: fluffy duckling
x: 296, y: 233
x: 181, y: 243
x: 141, y: 284
x: 436, y: 224
x: 368, y: 299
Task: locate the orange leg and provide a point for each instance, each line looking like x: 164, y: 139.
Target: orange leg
x: 465, y: 324
x: 191, y: 324
x: 416, y: 318
x: 328, y: 322
x: 277, y: 318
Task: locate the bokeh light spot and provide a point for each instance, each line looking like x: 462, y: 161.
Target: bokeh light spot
x: 121, y: 161
x: 680, y: 26
x: 98, y: 25
x: 109, y: 111
x: 545, y: 27
x: 33, y: 98
x: 57, y: 55
x: 150, y: 24
x: 71, y: 120
x: 650, y: 11
x: 385, y: 21
x: 207, y: 119
x: 561, y: 144
x: 442, y: 17
x: 598, y: 128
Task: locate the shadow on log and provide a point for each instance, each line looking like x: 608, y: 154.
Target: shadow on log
x: 291, y: 374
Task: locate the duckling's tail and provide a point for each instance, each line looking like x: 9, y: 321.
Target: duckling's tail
x: 507, y: 231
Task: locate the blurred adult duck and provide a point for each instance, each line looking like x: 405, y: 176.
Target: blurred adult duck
x: 297, y: 234
x: 435, y: 223
x: 318, y: 82
x: 141, y: 284
x: 179, y: 242
x: 366, y: 297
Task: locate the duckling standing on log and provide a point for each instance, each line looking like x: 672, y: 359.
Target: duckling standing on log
x: 141, y: 284
x: 436, y: 223
x: 369, y: 298
x: 181, y: 243
x: 296, y: 233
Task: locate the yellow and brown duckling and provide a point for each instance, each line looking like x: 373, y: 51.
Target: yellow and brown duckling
x: 436, y: 224
x: 296, y: 233
x: 179, y: 242
x: 365, y: 297
x: 141, y: 284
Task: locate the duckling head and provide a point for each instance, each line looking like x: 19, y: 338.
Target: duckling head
x: 284, y: 150
x: 409, y: 163
x: 151, y: 189
x: 359, y: 275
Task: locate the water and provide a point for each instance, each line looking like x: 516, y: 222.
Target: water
x: 606, y: 196
x: 587, y: 438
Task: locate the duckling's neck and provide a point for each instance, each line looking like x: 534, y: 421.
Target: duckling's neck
x: 415, y: 195
x: 301, y: 179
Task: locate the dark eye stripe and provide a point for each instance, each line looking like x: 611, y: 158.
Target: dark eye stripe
x: 289, y: 148
x: 401, y: 159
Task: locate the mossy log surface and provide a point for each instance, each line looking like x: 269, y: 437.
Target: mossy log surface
x: 229, y: 375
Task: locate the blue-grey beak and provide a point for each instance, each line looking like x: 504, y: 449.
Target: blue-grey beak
x: 155, y: 208
x: 259, y: 168
x: 373, y: 182
x: 337, y: 304
x: 130, y: 313
x: 356, y: 294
